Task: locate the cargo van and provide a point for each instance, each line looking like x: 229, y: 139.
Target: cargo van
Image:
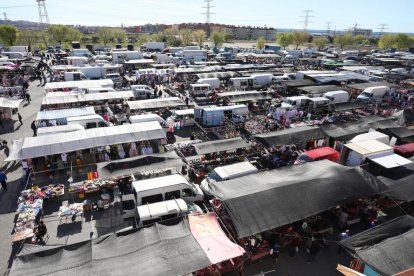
x: 297, y: 101
x: 373, y: 93
x: 216, y: 116
x: 213, y: 82
x: 142, y: 92
x: 89, y: 121
x: 156, y: 212
x: 228, y: 172
x: 166, y: 188
x: 200, y: 90
x: 185, y: 115
x: 339, y: 96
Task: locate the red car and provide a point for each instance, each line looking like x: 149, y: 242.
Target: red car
x: 406, y: 150
x: 318, y: 154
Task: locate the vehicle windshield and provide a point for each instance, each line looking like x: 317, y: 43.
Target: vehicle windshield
x: 365, y: 94
x: 289, y: 101
x: 214, y: 176
x: 304, y: 158
x: 330, y: 98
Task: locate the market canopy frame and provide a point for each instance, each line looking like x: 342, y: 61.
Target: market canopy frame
x: 290, y: 136
x: 220, y: 145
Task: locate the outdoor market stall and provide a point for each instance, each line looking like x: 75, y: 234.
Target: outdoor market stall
x: 61, y: 115
x: 75, y: 85
x: 152, y: 104
x: 386, y: 249
x: 6, y: 107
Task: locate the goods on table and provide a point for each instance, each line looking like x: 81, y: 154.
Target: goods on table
x: 91, y: 185
x: 71, y: 210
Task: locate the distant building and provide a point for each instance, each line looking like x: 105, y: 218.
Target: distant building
x: 363, y: 32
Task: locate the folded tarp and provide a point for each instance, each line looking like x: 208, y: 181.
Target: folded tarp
x: 387, y: 248
x: 155, y: 103
x: 138, y: 164
x: 220, y: 145
x: 345, y: 132
x: 75, y: 259
x: 85, y: 139
x: 271, y: 199
x: 156, y: 250
x: 290, y: 136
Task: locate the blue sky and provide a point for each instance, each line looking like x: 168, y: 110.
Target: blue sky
x: 274, y: 13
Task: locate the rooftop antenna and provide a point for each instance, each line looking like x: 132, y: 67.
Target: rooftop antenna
x: 382, y: 28
x: 307, y: 16
x: 208, y: 7
x: 43, y: 17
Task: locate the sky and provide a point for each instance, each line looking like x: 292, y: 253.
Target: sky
x: 272, y: 13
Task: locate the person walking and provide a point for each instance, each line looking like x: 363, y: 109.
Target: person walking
x: 3, y: 180
x: 28, y: 99
x: 313, y: 250
x: 20, y: 118
x: 6, y: 150
x: 34, y: 128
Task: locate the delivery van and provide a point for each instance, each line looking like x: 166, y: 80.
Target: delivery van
x: 228, y: 172
x: 166, y: 188
x: 200, y: 90
x: 213, y: 82
x: 165, y: 210
x: 142, y: 92
x: 186, y: 116
x: 216, y: 116
x: 89, y: 121
x: 373, y: 94
x: 339, y: 96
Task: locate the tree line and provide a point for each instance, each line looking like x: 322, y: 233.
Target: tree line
x: 63, y: 35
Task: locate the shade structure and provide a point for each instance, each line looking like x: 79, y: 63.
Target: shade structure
x: 155, y: 103
x: 9, y: 103
x: 271, y: 199
x: 345, y: 132
x: 387, y: 248
x: 404, y: 117
x: 348, y: 106
x: 33, y: 147
x: 65, y: 113
x: 290, y: 136
x: 70, y: 98
x: 220, y: 145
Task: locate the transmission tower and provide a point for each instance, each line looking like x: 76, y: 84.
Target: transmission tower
x: 43, y: 17
x: 307, y: 16
x: 208, y: 7
x: 382, y: 28
x: 328, y: 27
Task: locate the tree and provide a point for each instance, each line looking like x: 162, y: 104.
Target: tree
x: 299, y: 37
x: 359, y: 39
x: 386, y: 41
x: 217, y: 39
x: 186, y: 37
x: 284, y: 39
x: 402, y: 41
x: 8, y: 35
x: 105, y: 35
x: 344, y: 39
x: 73, y: 35
x: 199, y: 37
x: 320, y: 42
x: 62, y: 33
x: 228, y: 37
x: 29, y: 38
x: 261, y: 42
x: 119, y: 35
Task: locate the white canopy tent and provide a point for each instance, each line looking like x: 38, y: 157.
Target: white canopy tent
x: 66, y: 98
x: 9, y: 103
x: 65, y: 113
x: 155, y: 103
x: 32, y: 147
x: 70, y: 85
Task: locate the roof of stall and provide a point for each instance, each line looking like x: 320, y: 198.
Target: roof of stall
x: 10, y: 103
x: 156, y: 103
x: 220, y: 145
x: 290, y: 136
x: 65, y: 113
x: 75, y: 97
x: 245, y: 96
x: 320, y: 89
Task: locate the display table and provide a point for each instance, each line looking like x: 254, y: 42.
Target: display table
x: 92, y: 186
x: 23, y: 231
x: 71, y: 211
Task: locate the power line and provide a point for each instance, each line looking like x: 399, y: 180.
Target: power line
x: 382, y: 28
x: 307, y: 16
x: 208, y: 7
x: 328, y: 26
x: 43, y: 17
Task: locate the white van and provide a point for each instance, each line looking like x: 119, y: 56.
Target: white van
x: 214, y: 82
x: 375, y: 93
x: 89, y: 121
x: 142, y: 91
x: 184, y: 115
x: 146, y: 118
x: 155, y: 212
x: 42, y: 131
x: 200, y: 90
x: 228, y: 172
x: 339, y: 96
x: 297, y: 101
x: 165, y: 188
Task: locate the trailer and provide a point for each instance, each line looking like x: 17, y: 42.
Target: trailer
x: 119, y: 57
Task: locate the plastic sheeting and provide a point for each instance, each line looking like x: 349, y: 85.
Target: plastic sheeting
x: 290, y: 136
x: 155, y: 103
x: 220, y: 145
x: 85, y: 139
x: 75, y: 259
x: 157, y: 250
x: 138, y: 164
x: 387, y: 248
x: 345, y: 132
x: 267, y: 200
